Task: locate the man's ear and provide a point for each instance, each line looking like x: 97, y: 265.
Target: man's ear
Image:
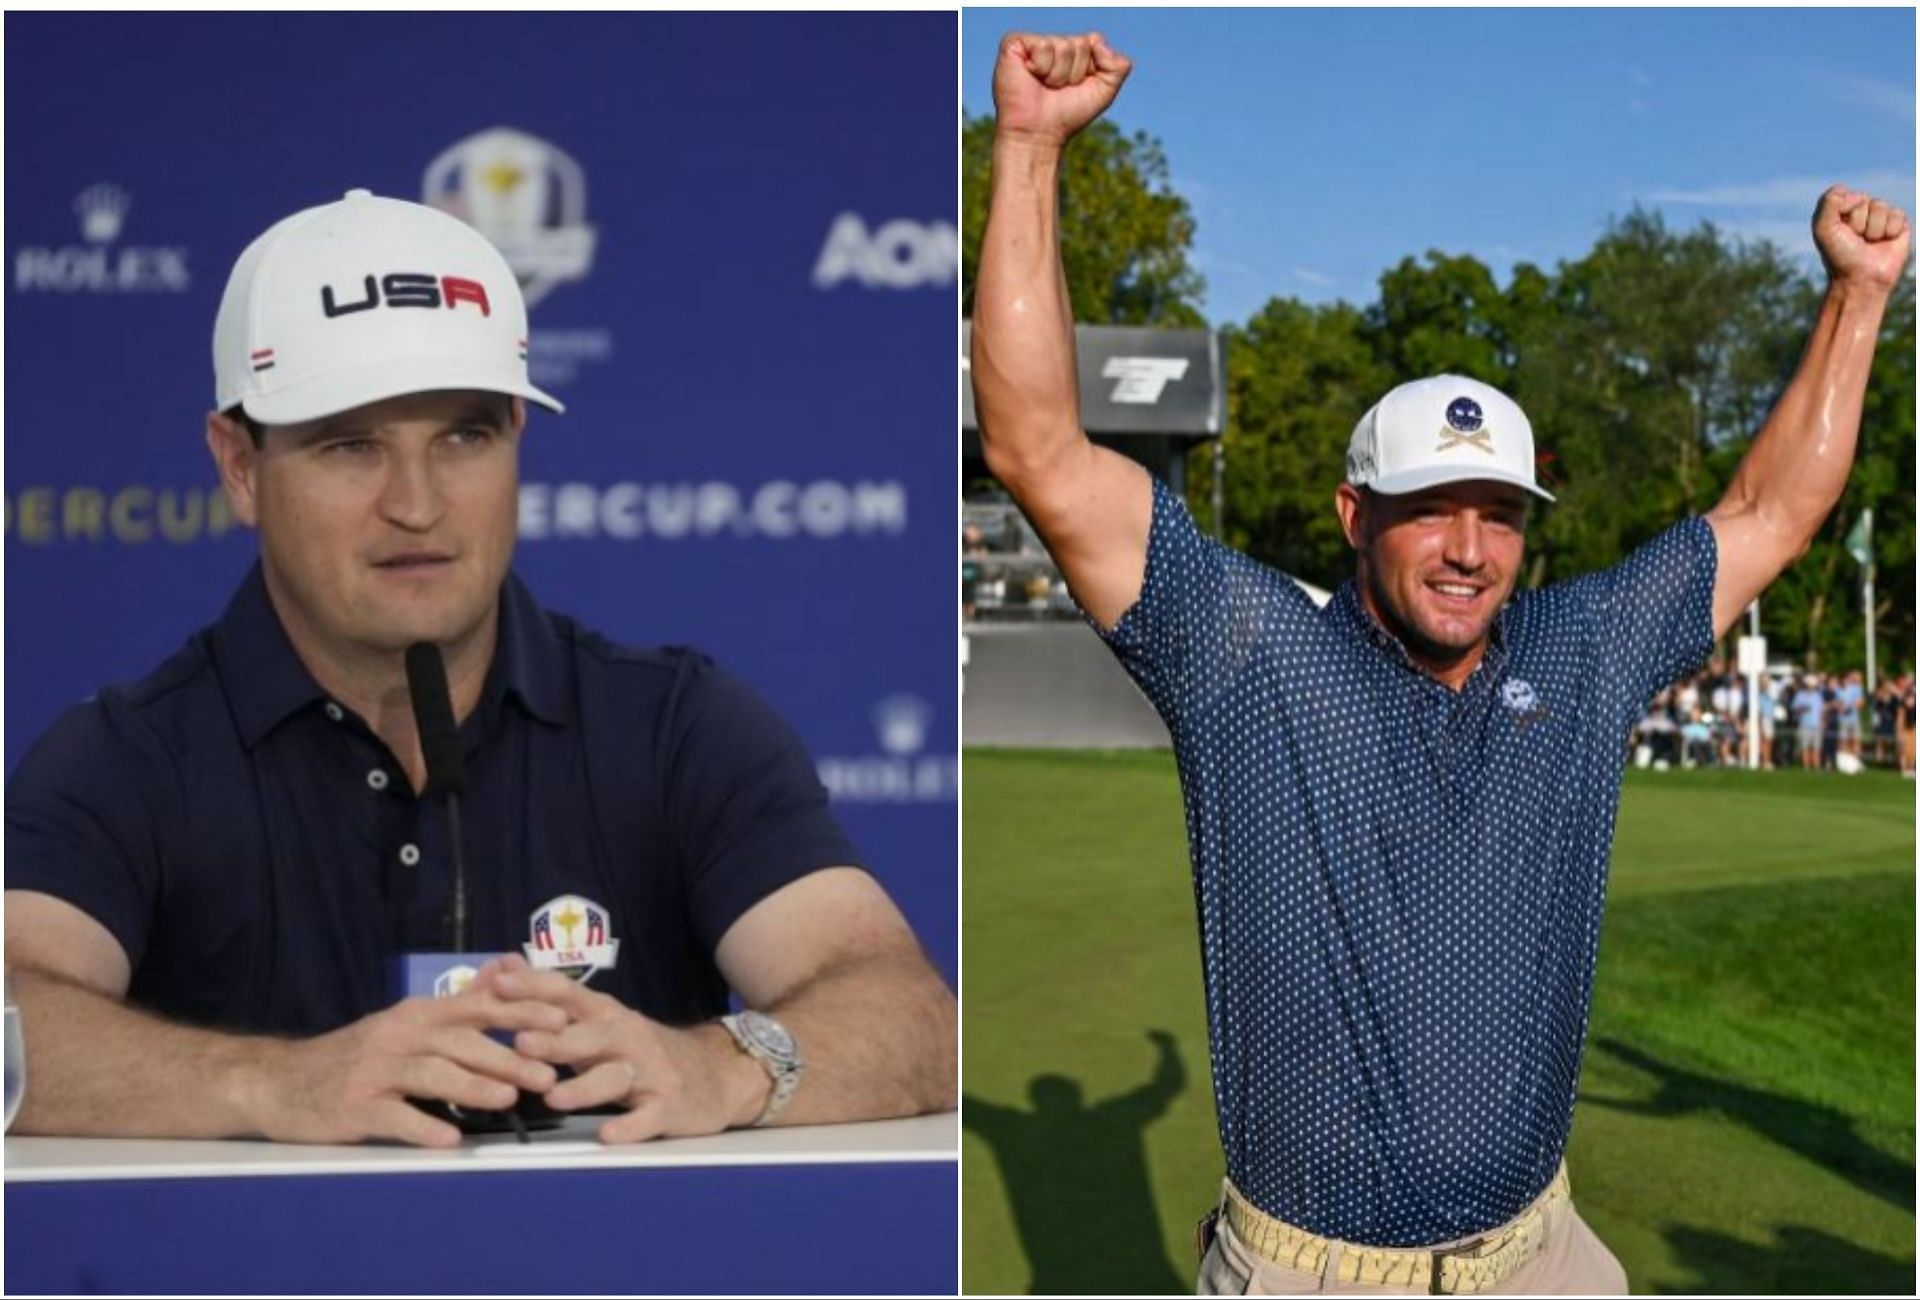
x: 1351, y: 505
x: 237, y: 461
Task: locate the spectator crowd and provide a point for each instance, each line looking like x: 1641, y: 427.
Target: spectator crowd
x: 1812, y: 721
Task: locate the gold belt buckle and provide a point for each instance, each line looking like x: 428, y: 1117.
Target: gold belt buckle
x: 1439, y: 1256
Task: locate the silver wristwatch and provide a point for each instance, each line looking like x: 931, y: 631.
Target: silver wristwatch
x: 767, y: 1041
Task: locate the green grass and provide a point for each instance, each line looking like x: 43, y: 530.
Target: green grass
x: 1746, y: 1123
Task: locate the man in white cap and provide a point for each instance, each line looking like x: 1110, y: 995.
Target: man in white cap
x: 209, y: 871
x: 1400, y: 806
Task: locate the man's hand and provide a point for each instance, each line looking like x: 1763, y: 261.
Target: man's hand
x: 674, y: 1082
x: 1863, y: 240
x: 1048, y: 88
x: 353, y: 1084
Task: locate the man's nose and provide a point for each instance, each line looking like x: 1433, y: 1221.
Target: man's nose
x: 1465, y: 544
x: 411, y: 497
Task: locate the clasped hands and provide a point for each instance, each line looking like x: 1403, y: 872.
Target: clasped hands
x: 353, y: 1084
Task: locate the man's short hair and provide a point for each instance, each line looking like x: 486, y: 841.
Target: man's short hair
x: 255, y: 430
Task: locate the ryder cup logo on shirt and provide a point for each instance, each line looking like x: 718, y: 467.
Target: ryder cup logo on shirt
x: 453, y: 981
x: 571, y: 934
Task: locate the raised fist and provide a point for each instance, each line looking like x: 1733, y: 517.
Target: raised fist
x: 1047, y: 88
x: 1861, y: 239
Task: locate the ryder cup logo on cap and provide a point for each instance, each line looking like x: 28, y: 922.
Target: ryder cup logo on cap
x: 1446, y: 429
x: 362, y: 300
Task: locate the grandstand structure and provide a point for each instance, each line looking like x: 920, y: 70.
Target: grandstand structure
x: 1035, y: 674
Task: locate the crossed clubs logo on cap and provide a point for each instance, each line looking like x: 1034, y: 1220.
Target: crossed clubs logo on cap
x: 1466, y: 426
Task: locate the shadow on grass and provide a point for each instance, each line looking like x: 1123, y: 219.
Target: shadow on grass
x: 1076, y: 1178
x: 1820, y: 1133
x: 1799, y: 1261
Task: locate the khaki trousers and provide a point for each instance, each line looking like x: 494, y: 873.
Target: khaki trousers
x: 1572, y: 1261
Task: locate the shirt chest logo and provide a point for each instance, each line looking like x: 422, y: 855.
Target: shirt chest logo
x: 1523, y: 701
x: 572, y: 935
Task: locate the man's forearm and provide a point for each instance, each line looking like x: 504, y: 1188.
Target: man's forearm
x: 98, y: 1067
x: 1026, y: 388
x: 880, y: 1039
x: 1797, y: 467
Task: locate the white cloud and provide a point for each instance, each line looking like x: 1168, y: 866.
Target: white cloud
x: 1316, y: 278
x: 1784, y: 191
x: 1870, y: 92
x: 1211, y: 263
x: 1779, y: 209
x: 1793, y: 237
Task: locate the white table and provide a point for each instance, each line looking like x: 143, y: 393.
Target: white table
x: 846, y: 1207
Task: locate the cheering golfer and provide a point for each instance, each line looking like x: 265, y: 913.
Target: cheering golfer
x: 1399, y: 806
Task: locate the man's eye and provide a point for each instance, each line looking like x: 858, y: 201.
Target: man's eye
x: 471, y: 435
x: 352, y: 446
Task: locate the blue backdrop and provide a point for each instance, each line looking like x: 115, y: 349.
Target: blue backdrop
x: 737, y: 238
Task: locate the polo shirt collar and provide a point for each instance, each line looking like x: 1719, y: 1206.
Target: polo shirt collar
x: 267, y: 684
x: 1353, y: 614
x: 529, y: 663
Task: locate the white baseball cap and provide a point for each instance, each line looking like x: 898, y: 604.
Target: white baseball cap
x: 1446, y: 429
x: 362, y: 300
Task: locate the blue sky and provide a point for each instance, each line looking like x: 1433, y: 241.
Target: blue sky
x: 1319, y: 147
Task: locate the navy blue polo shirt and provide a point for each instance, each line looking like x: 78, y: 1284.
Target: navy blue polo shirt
x: 259, y: 853
x: 1400, y: 887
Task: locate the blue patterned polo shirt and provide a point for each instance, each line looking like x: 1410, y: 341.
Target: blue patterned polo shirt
x: 1399, y: 886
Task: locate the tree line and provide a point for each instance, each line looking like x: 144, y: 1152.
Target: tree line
x: 1646, y: 366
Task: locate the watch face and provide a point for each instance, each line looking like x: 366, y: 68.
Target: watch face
x: 768, y: 1034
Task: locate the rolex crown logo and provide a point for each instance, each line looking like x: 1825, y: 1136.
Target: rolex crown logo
x: 102, y: 210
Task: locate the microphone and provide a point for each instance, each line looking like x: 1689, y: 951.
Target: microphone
x: 446, y: 765
x: 443, y: 974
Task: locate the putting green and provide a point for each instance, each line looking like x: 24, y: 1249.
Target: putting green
x: 1746, y: 1114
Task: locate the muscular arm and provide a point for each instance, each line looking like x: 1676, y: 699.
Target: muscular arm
x: 96, y: 1066
x: 832, y: 959
x: 1797, y: 468
x: 1091, y: 506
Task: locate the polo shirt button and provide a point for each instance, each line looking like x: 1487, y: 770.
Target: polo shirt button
x: 377, y: 779
x: 334, y: 711
x: 410, y: 854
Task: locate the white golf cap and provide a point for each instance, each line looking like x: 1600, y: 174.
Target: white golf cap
x: 362, y: 300
x: 1442, y: 430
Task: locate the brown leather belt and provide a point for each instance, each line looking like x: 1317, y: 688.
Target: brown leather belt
x: 1461, y: 1269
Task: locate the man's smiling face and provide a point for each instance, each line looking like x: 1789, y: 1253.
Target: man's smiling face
x: 1435, y: 566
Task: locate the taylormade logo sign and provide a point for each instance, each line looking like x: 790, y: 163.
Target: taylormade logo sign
x: 1142, y: 379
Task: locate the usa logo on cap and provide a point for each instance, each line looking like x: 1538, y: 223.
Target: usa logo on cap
x: 1464, y: 414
